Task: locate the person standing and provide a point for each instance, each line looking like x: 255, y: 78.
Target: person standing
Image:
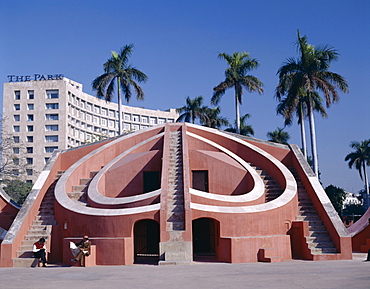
x: 85, y: 250
x: 39, y: 251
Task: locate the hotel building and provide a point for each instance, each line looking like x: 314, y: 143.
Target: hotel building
x: 48, y: 112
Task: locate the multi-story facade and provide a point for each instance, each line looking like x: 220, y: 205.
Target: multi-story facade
x: 44, y: 113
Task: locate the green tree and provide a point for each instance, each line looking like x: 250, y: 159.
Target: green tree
x: 336, y: 196
x: 240, y: 63
x: 192, y: 110
x: 308, y: 75
x: 17, y: 190
x: 245, y: 129
x: 213, y: 118
x: 360, y: 158
x: 279, y: 136
x: 118, y: 70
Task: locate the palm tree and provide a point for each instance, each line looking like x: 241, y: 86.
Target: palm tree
x: 279, y: 136
x: 288, y: 105
x: 192, y: 110
x: 213, y: 119
x: 307, y: 75
x: 360, y: 158
x: 117, y: 69
x: 240, y: 63
x: 245, y: 129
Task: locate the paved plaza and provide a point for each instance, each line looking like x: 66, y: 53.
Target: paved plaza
x: 290, y: 274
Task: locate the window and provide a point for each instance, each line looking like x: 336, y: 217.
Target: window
x: 17, y: 95
x: 135, y: 127
x: 126, y: 126
x: 50, y: 149
x: 88, y: 117
x: 29, y: 181
x: 111, y: 123
x: 161, y: 120
x: 89, y: 127
x: 29, y: 117
x: 104, y: 121
x: 17, y: 117
x: 52, y: 105
x: 16, y: 128
x: 30, y: 106
x: 52, y: 116
x: 16, y: 151
x: 29, y: 172
x: 16, y: 161
x: 17, y: 107
x: 31, y: 94
x: 144, y: 119
x: 127, y: 117
x: 88, y: 106
x: 96, y: 129
x: 104, y: 111
x: 52, y: 94
x: 136, y: 118
x: 153, y: 120
x: 170, y: 120
x: 51, y: 138
x: 46, y: 160
x: 15, y: 172
x: 82, y: 104
x: 30, y: 150
x: 16, y: 139
x: 29, y: 138
x: 111, y: 113
x: 29, y: 161
x: 111, y: 133
x: 29, y: 127
x: 96, y: 119
x: 51, y: 127
x: 97, y: 109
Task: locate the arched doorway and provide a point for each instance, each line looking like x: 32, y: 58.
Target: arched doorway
x: 205, y: 239
x: 146, y: 242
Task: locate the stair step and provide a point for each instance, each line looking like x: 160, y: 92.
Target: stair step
x: 85, y: 181
x: 321, y: 245
x: 318, y: 251
x: 25, y: 262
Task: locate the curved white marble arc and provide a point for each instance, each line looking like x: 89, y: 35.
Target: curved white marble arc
x: 62, y: 198
x: 257, y: 191
x: 97, y: 197
x: 289, y: 192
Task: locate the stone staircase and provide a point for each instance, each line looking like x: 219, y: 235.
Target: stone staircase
x: 272, y: 187
x: 79, y: 192
x: 175, y: 251
x: 40, y: 228
x: 319, y: 241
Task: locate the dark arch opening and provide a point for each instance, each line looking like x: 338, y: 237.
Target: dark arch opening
x: 146, y: 242
x: 205, y: 239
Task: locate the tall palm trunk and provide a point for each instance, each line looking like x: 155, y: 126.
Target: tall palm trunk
x: 303, y: 134
x: 237, y: 113
x: 366, y: 180
x: 119, y: 106
x: 367, y: 195
x: 313, y: 139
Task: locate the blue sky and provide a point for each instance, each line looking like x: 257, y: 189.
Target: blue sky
x: 177, y: 43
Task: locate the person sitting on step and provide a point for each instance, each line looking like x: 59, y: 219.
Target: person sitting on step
x: 85, y: 250
x: 39, y: 251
